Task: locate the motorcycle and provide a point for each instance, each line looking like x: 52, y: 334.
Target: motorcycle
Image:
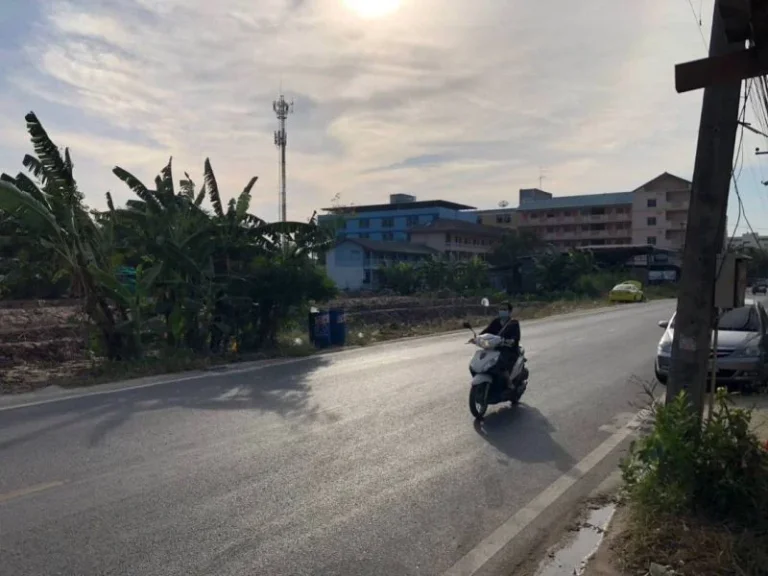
x: 489, y: 385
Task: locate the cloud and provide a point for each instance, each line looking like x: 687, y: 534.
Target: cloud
x: 444, y: 99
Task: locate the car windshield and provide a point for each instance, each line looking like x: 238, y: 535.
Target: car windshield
x: 743, y: 319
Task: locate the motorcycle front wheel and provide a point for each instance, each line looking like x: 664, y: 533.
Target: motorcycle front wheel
x: 478, y: 403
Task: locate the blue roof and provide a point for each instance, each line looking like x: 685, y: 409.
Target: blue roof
x: 581, y: 201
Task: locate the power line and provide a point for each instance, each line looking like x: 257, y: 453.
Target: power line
x: 697, y: 18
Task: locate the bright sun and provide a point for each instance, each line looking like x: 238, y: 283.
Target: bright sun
x: 372, y: 8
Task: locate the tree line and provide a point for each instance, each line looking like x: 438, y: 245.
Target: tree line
x: 522, y: 263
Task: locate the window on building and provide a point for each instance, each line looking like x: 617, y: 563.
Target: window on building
x: 534, y: 215
x: 447, y: 238
x: 474, y: 241
x: 364, y: 223
x: 507, y: 218
x: 550, y: 215
x: 585, y: 227
x: 499, y: 219
x: 651, y: 202
x: 567, y: 213
x: 479, y: 219
x: 597, y: 211
x: 652, y: 221
x: 411, y: 221
x: 651, y: 240
x: 598, y: 227
x: 365, y: 235
x: 388, y: 222
x: 366, y: 276
x: 388, y: 236
x: 550, y: 229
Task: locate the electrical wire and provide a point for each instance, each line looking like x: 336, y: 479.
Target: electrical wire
x: 697, y: 18
x: 735, y: 176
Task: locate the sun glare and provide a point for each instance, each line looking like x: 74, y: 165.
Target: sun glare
x: 372, y: 8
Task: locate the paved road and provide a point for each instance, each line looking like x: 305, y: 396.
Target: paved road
x: 363, y: 462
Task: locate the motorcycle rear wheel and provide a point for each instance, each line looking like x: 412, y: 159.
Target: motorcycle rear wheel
x: 478, y: 403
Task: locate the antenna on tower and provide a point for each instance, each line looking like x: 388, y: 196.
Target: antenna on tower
x: 282, y: 109
x: 542, y: 175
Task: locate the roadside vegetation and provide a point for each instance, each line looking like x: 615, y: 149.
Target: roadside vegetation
x: 697, y: 494
x: 180, y: 278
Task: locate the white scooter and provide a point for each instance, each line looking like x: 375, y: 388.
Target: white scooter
x: 489, y: 384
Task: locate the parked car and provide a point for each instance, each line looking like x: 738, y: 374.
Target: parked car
x: 628, y: 291
x: 759, y: 288
x: 742, y: 347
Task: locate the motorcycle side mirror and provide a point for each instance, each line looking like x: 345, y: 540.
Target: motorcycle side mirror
x: 485, y: 303
x: 467, y: 325
x: 663, y: 323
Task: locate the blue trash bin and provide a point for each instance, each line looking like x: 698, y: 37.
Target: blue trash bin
x: 322, y: 331
x: 338, y: 327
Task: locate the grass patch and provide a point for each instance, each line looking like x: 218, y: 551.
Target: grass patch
x: 691, y: 545
x: 697, y: 493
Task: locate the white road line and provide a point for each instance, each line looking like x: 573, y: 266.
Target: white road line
x: 476, y: 558
x: 30, y: 490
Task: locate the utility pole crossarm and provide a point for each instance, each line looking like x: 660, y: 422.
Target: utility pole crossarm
x: 721, y: 69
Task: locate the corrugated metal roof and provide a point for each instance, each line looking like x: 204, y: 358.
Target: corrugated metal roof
x: 581, y: 201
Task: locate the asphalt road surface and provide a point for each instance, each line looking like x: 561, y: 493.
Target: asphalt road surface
x: 362, y: 462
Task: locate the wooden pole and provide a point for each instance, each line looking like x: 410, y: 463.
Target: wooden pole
x: 704, y: 233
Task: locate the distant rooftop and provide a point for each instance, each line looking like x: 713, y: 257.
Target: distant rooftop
x: 581, y: 201
x: 398, y: 247
x: 399, y: 206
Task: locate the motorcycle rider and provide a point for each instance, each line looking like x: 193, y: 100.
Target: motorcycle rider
x: 508, y: 328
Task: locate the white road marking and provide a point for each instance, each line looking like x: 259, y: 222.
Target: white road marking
x: 27, y: 491
x: 476, y: 558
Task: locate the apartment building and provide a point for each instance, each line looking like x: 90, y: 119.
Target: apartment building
x: 660, y: 212
x: 392, y: 222
x: 457, y: 239
x: 587, y: 220
x: 655, y: 213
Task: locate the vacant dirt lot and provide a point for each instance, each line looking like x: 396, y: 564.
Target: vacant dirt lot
x: 39, y: 341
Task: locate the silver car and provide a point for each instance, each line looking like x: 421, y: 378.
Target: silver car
x: 742, y: 346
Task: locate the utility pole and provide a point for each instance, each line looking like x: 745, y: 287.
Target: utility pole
x: 706, y: 226
x: 282, y: 109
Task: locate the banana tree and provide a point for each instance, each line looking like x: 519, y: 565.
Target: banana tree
x: 50, y: 206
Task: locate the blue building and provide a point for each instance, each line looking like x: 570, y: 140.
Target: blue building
x: 392, y: 222
x: 353, y: 264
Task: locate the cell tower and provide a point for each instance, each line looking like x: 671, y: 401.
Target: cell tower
x: 282, y: 109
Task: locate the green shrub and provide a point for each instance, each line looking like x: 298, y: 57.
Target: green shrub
x: 716, y: 470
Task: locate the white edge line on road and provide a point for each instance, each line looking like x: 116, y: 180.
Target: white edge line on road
x: 155, y: 383
x: 476, y: 558
x: 271, y: 364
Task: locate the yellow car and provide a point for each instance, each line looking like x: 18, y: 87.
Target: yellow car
x: 629, y: 291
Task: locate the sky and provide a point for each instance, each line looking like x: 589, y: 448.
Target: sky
x: 443, y: 99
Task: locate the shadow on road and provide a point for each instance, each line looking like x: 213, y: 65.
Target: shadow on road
x: 523, y: 433
x: 283, y: 390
